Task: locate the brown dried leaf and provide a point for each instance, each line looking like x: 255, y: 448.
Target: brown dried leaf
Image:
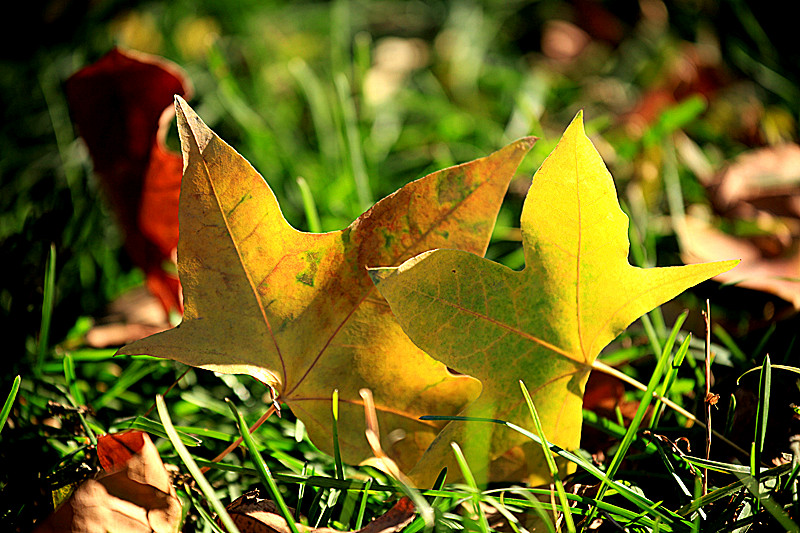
x: 134, y: 494
x: 776, y: 275
x: 767, y: 179
x: 134, y: 315
x: 761, y: 188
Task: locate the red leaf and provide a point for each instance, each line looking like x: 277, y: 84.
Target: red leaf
x: 122, y: 105
x: 114, y: 451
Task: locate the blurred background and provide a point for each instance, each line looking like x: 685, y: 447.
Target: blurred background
x: 358, y: 98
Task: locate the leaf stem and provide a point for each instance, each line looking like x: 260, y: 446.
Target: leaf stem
x: 707, y: 397
x: 235, y: 444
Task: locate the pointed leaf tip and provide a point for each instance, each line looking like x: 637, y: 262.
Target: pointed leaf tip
x: 191, y: 128
x: 577, y: 123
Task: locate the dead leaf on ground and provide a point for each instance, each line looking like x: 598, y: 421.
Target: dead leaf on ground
x: 766, y: 179
x: 759, y: 191
x: 134, y: 494
x: 700, y: 242
x: 135, y: 314
x: 122, y: 107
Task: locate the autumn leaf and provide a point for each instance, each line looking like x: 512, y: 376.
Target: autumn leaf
x: 134, y: 493
x: 544, y: 325
x: 760, y: 191
x: 298, y: 310
x: 121, y: 106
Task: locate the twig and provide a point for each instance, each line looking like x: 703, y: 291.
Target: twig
x: 166, y: 392
x: 707, y: 401
x: 238, y: 441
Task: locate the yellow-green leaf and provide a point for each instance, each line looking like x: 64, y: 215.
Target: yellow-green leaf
x: 298, y: 310
x: 544, y: 325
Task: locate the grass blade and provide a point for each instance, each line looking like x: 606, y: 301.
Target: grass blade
x: 672, y: 372
x: 263, y: 469
x: 71, y: 379
x: 632, y: 496
x: 319, y: 107
x: 356, y: 155
x: 762, y: 414
x: 188, y: 461
x: 483, y: 524
x: 301, y: 491
x: 675, y: 475
x: 794, y: 369
x: 726, y: 339
x: 137, y: 371
x: 309, y: 206
x: 731, y: 413
x: 156, y: 428
x: 362, y: 507
x: 9, y: 402
x: 540, y: 511
x: 47, y: 308
x: 770, y: 505
x: 204, y: 514
x: 630, y: 436
x: 551, y: 464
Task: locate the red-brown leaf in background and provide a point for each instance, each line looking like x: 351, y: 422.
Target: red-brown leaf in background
x: 762, y: 188
x: 122, y: 105
x: 133, y: 495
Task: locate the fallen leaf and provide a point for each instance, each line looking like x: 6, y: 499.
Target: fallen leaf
x: 765, y: 179
x: 563, y: 41
x: 544, y: 325
x: 700, y: 241
x: 759, y: 190
x: 133, y: 315
x: 134, y: 494
x: 298, y: 310
x: 121, y: 106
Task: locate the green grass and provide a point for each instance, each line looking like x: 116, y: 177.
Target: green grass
x: 290, y: 86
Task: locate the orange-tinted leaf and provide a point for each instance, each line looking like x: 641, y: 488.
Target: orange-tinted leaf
x: 133, y: 495
x: 298, y: 310
x: 121, y: 106
x: 114, y: 451
x: 545, y: 325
